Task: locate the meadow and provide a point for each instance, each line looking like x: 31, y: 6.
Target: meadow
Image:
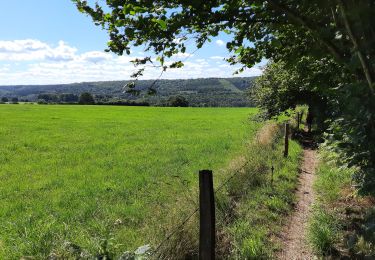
x: 93, y: 177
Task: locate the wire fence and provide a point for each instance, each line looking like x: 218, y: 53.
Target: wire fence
x: 219, y: 188
x: 179, y: 226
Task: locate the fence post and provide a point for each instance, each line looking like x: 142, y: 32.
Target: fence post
x: 286, y: 142
x: 298, y: 121
x: 206, y: 215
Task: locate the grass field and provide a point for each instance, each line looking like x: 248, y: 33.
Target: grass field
x: 93, y: 176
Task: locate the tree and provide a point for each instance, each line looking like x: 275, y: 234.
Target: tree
x: 15, y: 100
x: 284, y: 87
x: 178, y: 101
x: 294, y: 32
x: 48, y: 97
x: 68, y: 97
x: 86, y: 99
x: 282, y: 29
x: 4, y: 99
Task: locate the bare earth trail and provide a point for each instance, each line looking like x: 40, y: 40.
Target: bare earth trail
x: 294, y: 245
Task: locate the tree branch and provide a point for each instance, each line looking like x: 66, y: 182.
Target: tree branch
x: 312, y: 28
x: 365, y: 66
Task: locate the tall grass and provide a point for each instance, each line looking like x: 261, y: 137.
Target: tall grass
x: 250, y: 207
x: 324, y: 229
x: 342, y: 223
x: 260, y: 203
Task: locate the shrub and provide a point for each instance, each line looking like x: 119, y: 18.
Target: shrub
x: 178, y: 101
x: 86, y: 99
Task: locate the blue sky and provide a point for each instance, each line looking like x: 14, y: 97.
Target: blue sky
x: 50, y: 42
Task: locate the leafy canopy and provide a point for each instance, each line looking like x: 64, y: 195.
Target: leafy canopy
x: 277, y: 29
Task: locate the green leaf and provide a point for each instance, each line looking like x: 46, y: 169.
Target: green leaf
x: 162, y: 23
x: 238, y: 50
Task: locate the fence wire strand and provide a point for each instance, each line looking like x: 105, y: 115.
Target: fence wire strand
x: 174, y: 231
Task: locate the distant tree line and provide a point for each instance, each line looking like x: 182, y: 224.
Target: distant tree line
x: 205, y: 92
x: 177, y: 100
x: 86, y: 98
x: 13, y: 100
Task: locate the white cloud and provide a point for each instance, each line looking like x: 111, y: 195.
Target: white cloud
x: 29, y: 50
x: 182, y: 55
x: 19, y: 46
x: 36, y: 62
x: 96, y: 56
x: 220, y: 42
x: 217, y: 57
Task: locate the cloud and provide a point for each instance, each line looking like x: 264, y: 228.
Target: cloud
x: 31, y: 50
x: 19, y: 46
x: 96, y: 56
x: 182, y: 55
x: 220, y: 42
x: 36, y: 62
x: 217, y: 57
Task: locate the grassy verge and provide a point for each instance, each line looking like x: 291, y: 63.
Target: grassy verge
x: 342, y: 223
x: 260, y: 201
x: 251, y: 206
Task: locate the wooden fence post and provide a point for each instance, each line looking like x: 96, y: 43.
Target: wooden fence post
x: 286, y: 142
x: 207, y: 216
x: 298, y: 121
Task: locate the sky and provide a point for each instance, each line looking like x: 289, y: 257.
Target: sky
x: 50, y: 42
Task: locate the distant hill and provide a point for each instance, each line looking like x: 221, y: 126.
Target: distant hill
x: 199, y: 92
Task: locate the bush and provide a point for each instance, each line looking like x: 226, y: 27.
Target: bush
x: 86, y: 99
x: 178, y: 101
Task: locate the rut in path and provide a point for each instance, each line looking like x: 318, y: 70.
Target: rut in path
x: 294, y: 235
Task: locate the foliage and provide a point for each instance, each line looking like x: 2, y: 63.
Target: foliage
x: 178, y: 101
x: 96, y: 179
x: 343, y: 112
x: 4, y: 99
x: 209, y: 92
x: 86, y: 98
x: 58, y: 98
x: 341, y: 224
x: 283, y: 87
x: 281, y: 30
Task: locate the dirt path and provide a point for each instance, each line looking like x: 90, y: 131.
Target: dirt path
x: 294, y: 235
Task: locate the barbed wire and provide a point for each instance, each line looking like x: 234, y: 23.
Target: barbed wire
x: 174, y: 231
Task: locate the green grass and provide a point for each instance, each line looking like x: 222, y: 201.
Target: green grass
x: 324, y: 229
x: 94, y: 178
x: 229, y: 86
x: 250, y: 208
x: 258, y: 204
